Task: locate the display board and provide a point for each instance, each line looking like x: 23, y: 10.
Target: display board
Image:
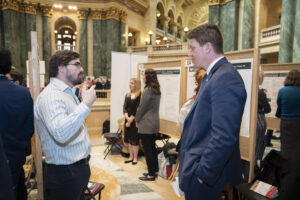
x: 274, y: 76
x: 123, y: 68
x: 171, y: 76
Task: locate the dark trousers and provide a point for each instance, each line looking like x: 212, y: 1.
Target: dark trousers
x: 22, y: 189
x: 18, y: 179
x: 148, y: 142
x: 65, y: 182
x: 269, y: 136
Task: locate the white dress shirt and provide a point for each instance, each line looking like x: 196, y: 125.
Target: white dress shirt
x: 60, y: 124
x: 213, y: 64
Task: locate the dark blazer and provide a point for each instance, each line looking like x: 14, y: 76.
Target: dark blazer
x: 147, y: 114
x: 16, y: 121
x: 209, y: 147
x: 6, y: 192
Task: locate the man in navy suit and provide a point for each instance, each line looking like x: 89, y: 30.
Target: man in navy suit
x: 16, y: 122
x: 209, y: 149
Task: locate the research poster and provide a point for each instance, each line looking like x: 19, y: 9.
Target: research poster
x: 245, y: 68
x: 273, y: 81
x: 169, y: 80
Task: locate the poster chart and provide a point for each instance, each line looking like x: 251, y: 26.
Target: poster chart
x: 191, y: 83
x: 273, y: 81
x: 169, y: 80
x: 245, y: 68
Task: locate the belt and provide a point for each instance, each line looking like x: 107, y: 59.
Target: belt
x: 83, y: 161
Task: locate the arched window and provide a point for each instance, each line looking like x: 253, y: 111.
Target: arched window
x: 159, y: 15
x: 65, y: 34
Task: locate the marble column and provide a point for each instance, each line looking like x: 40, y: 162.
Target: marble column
x: 90, y: 46
x: 287, y: 31
x: 99, y: 46
x: 214, y: 14
x: 12, y: 35
x: 19, y: 44
x: 83, y: 39
x: 226, y: 17
x: 248, y: 24
x: 46, y: 33
x: 296, y: 45
x: 47, y: 47
x: 83, y: 44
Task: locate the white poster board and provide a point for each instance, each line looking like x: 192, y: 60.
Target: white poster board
x: 123, y: 67
x: 273, y: 81
x: 191, y: 82
x: 42, y: 73
x: 169, y: 80
x: 245, y: 68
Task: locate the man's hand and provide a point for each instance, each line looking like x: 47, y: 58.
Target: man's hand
x: 88, y: 96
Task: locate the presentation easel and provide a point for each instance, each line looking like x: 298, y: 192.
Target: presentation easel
x: 34, y: 86
x: 273, y: 81
x: 247, y: 144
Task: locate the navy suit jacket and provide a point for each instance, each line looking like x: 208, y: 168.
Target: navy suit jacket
x: 16, y: 121
x: 209, y: 148
x: 6, y: 192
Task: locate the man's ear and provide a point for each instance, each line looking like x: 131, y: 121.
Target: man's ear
x: 61, y: 69
x: 208, y: 47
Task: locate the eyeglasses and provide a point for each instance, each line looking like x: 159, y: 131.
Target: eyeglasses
x: 77, y: 64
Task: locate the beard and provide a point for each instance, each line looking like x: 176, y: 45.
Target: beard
x: 75, y: 80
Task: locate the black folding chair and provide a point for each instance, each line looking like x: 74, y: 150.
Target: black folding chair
x: 112, y: 141
x: 92, y: 189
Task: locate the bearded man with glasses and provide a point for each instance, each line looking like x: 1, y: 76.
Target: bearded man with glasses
x: 60, y: 120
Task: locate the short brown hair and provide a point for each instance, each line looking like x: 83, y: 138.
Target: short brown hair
x: 61, y: 58
x: 292, y: 78
x: 208, y: 33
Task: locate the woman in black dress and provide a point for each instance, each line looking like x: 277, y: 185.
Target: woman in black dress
x: 132, y: 101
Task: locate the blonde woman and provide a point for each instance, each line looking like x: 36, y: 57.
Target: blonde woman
x: 131, y: 103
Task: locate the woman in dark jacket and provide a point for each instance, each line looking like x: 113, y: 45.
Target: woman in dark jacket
x: 132, y: 101
x: 147, y: 118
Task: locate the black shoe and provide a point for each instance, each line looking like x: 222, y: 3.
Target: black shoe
x: 146, y: 178
x: 128, y: 161
x: 134, y: 163
x: 146, y: 174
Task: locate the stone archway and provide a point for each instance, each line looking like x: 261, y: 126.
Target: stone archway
x: 65, y: 34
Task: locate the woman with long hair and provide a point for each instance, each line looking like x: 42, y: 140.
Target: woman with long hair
x: 147, y: 119
x: 131, y: 103
x: 186, y: 107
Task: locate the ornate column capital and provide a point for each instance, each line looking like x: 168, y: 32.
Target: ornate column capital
x: 217, y: 2
x: 29, y: 7
x: 10, y: 4
x: 83, y: 13
x: 19, y: 6
x: 109, y: 13
x: 46, y: 10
